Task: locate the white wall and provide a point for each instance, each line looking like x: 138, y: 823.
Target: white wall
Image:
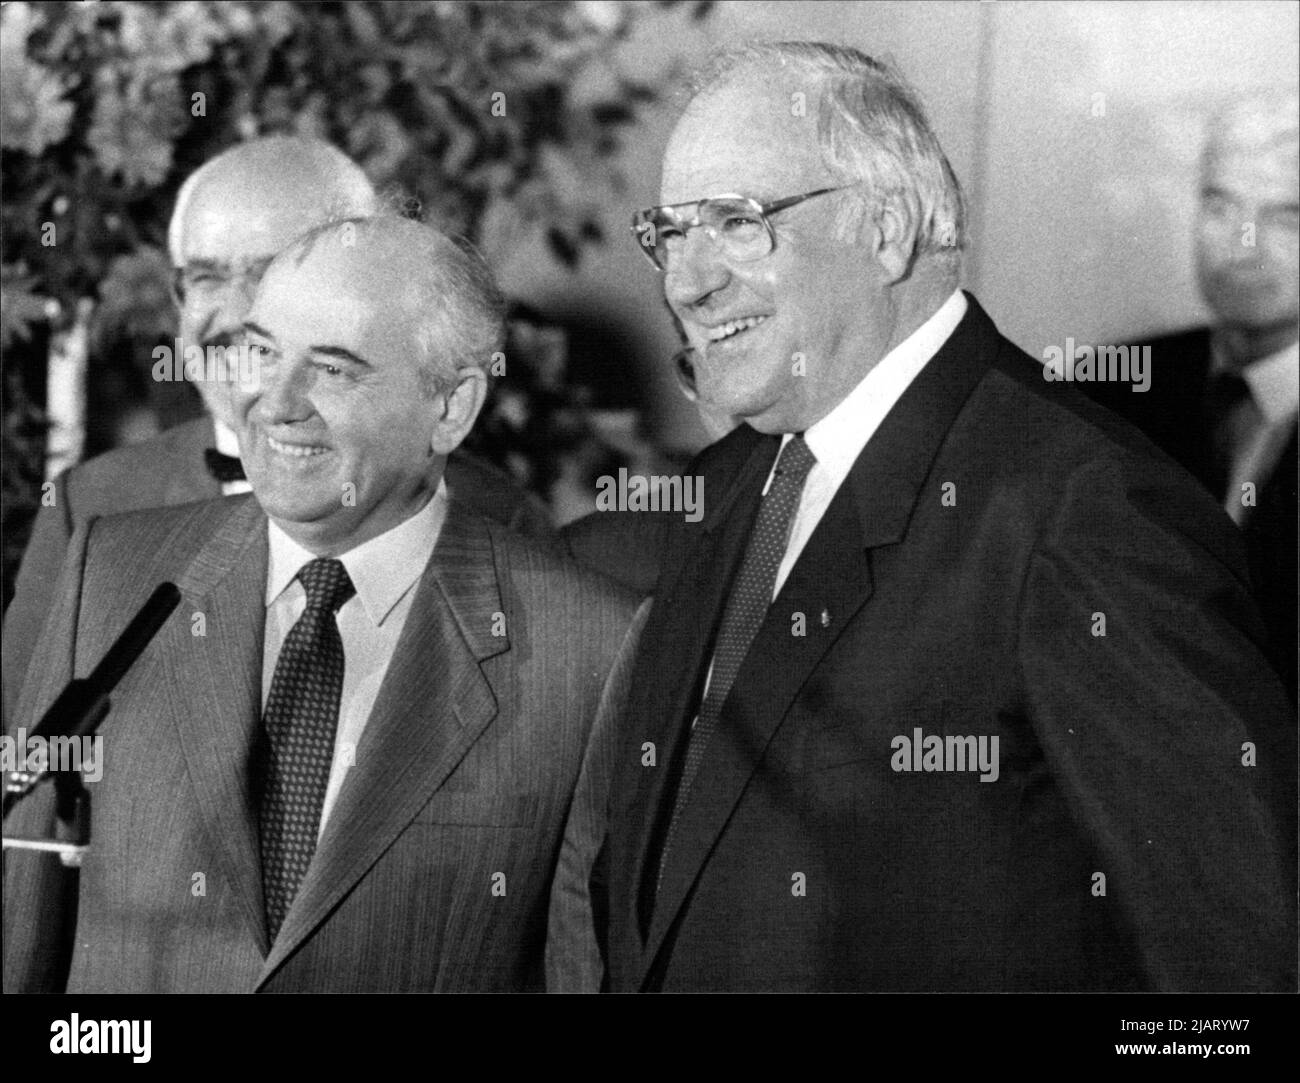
x: 1084, y: 221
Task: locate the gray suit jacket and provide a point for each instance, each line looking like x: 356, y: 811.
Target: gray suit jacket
x: 169, y: 470
x: 435, y: 866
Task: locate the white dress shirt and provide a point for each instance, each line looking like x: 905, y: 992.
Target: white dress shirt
x: 838, y: 439
x: 228, y: 444
x: 385, y: 571
x: 1262, y: 425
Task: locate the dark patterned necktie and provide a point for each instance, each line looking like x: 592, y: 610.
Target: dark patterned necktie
x: 302, y: 712
x: 751, y: 595
x: 223, y: 467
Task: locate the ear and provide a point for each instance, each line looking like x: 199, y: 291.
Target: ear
x: 897, y: 222
x: 458, y: 409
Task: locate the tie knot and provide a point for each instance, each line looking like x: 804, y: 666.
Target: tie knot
x: 327, y: 584
x: 795, y: 460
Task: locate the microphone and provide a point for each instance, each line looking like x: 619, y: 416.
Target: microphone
x: 81, y: 706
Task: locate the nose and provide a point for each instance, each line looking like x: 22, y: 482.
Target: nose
x: 696, y: 271
x: 283, y: 393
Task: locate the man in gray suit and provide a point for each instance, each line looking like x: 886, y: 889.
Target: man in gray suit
x: 231, y: 216
x: 345, y: 762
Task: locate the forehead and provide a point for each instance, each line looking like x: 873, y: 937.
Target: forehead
x: 234, y: 219
x: 337, y: 296
x: 752, y: 136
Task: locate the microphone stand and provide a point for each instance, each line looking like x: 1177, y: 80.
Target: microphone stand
x: 76, y: 714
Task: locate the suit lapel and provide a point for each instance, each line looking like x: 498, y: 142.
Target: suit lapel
x: 673, y: 663
x: 432, y: 706
x: 215, y: 693
x: 870, y: 510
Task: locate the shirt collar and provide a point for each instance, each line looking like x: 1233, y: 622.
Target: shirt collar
x: 382, y: 569
x: 838, y: 439
x: 226, y: 440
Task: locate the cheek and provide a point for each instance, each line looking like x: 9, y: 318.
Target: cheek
x: 190, y: 319
x: 1284, y: 248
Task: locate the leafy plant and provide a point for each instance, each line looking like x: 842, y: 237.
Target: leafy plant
x: 498, y: 118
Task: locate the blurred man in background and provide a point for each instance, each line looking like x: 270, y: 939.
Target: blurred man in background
x: 1223, y: 398
x: 231, y: 217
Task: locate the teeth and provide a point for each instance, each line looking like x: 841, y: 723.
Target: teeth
x: 297, y: 451
x: 717, y: 334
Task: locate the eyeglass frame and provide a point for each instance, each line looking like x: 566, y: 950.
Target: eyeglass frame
x: 640, y: 219
x: 251, y: 273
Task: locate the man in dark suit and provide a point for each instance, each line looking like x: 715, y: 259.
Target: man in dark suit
x: 425, y: 679
x: 957, y: 685
x: 1223, y: 399
x: 231, y: 216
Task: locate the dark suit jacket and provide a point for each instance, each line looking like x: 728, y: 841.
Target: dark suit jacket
x: 1173, y: 413
x: 804, y: 861
x: 462, y: 783
x: 625, y: 546
x: 169, y: 470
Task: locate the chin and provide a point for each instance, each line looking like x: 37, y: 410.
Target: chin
x: 291, y: 510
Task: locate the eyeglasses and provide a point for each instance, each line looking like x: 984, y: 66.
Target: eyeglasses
x: 739, y: 226
x: 204, y: 282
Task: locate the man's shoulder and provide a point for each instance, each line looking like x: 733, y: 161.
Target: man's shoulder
x: 138, y: 475
x: 1189, y: 347
x: 545, y: 578
x: 1050, y: 442
x: 1175, y: 365
x: 625, y: 546
x: 495, y: 495
x: 1046, y: 426
x: 171, y: 535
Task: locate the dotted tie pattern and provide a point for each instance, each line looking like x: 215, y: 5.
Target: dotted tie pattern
x: 301, y: 716
x: 747, y: 607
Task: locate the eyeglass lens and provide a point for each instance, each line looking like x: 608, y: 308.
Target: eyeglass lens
x: 736, y: 226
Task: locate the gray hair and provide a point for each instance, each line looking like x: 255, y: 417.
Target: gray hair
x: 1265, y: 123
x: 872, y: 128
x: 348, y: 190
x: 460, y: 320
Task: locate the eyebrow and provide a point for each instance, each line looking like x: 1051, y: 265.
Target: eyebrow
x: 342, y: 354
x: 338, y: 352
x: 206, y: 263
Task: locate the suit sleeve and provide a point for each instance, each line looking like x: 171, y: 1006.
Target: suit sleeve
x: 39, y: 893
x: 34, y: 592
x: 574, y: 962
x: 1163, y: 725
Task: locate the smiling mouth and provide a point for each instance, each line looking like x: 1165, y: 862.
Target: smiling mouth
x: 732, y: 328
x: 295, y: 451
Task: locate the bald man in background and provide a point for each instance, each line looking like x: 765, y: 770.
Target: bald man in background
x: 231, y: 217
x: 1223, y: 398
